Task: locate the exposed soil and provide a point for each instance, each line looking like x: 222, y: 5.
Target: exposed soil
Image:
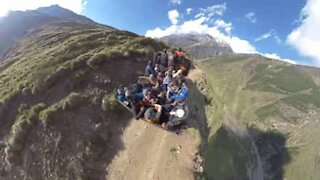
x: 88, y: 143
x: 153, y: 153
x: 77, y: 143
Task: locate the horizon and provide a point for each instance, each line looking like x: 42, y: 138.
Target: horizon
x: 290, y: 36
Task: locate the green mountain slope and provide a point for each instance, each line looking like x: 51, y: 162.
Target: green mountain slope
x: 256, y: 118
x: 275, y: 103
x: 18, y: 23
x: 58, y: 117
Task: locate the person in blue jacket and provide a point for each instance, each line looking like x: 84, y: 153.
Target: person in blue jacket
x: 120, y: 95
x: 181, y: 94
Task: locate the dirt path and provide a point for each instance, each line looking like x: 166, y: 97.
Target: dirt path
x: 153, y: 153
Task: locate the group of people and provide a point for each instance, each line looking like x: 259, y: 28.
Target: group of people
x: 160, y: 95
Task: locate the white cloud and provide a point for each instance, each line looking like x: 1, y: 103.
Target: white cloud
x: 306, y: 38
x: 251, y: 16
x: 173, y: 16
x: 263, y: 36
x: 223, y: 25
x: 218, y: 31
x: 198, y: 26
x: 277, y: 57
x: 176, y: 1
x: 271, y: 55
x: 277, y: 39
x: 188, y: 10
x: 217, y: 28
x: 211, y: 11
x: 199, y: 15
x: 17, y: 5
x: 270, y: 34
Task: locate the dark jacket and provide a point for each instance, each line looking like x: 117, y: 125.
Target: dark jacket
x: 156, y: 58
x: 171, y: 61
x: 164, y: 59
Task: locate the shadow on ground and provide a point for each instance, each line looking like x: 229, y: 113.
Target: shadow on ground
x: 262, y: 155
x: 197, y: 117
x: 272, y: 149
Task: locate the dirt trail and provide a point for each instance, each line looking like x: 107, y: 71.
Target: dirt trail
x: 153, y: 153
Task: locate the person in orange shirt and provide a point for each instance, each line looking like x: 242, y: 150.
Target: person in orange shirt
x: 180, y: 53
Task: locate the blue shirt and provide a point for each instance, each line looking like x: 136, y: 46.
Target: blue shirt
x: 181, y: 96
x: 138, y: 96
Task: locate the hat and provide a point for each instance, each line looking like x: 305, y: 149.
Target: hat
x: 178, y: 113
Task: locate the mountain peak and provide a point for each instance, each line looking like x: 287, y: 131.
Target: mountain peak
x: 54, y: 9
x: 18, y: 23
x: 198, y: 46
x: 60, y: 12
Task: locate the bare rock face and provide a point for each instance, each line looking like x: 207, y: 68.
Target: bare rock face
x: 198, y: 46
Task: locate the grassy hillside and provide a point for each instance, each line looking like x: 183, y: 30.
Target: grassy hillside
x: 58, y: 117
x: 255, y: 117
x: 276, y: 103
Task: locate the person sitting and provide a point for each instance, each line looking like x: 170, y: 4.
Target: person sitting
x: 181, y: 94
x: 136, y: 106
x: 184, y: 68
x: 149, y: 69
x: 167, y: 80
x: 177, y: 74
x: 137, y: 87
x: 148, y: 98
x: 171, y: 90
x: 157, y: 114
x: 159, y: 68
x: 160, y: 77
x: 120, y: 95
x: 152, y: 114
x: 150, y: 80
x: 177, y: 114
x: 161, y: 87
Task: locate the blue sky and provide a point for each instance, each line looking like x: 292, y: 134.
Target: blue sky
x: 282, y: 29
x: 263, y: 26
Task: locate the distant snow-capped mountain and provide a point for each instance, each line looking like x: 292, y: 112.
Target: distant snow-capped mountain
x: 198, y: 46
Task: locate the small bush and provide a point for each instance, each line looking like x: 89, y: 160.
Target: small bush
x: 97, y: 59
x: 103, y: 57
x: 80, y: 61
x: 109, y: 103
x: 10, y: 95
x: 73, y: 100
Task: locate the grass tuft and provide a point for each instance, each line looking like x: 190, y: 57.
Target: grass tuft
x: 73, y: 100
x: 20, y: 129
